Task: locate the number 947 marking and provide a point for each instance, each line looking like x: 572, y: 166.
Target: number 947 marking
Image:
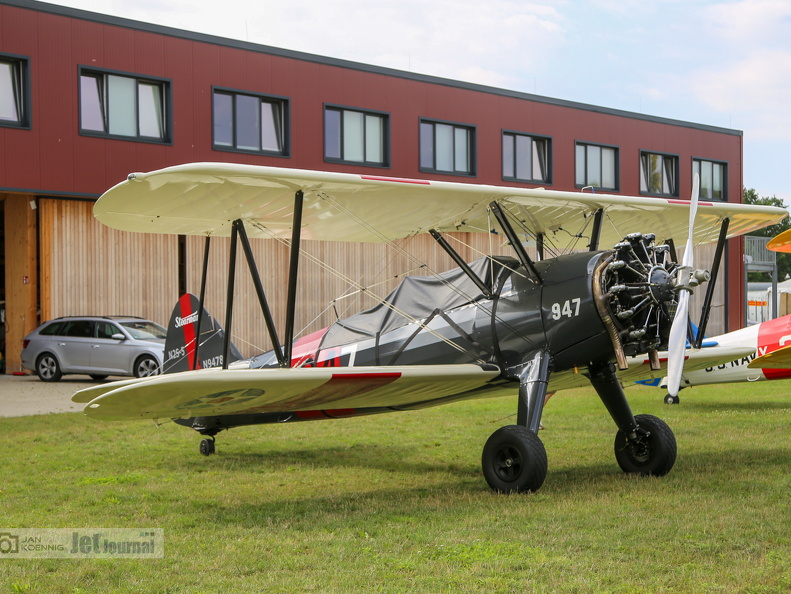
x: 569, y: 309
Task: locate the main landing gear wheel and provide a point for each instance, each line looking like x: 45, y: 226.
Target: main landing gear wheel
x: 207, y: 446
x: 652, y: 453
x: 671, y: 399
x: 514, y: 460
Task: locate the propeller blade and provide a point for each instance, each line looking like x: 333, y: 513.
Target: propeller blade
x: 677, y: 341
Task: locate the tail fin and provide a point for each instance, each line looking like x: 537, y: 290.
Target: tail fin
x: 183, y: 339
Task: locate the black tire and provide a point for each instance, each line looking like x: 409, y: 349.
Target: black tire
x: 146, y: 366
x: 514, y: 460
x: 98, y: 376
x: 48, y: 368
x: 207, y: 447
x: 671, y: 399
x: 651, y: 455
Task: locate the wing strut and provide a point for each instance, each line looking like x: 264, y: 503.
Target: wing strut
x: 296, y: 233
x: 596, y: 231
x: 226, y: 344
x: 238, y: 228
x: 460, y: 262
x: 513, y: 239
x: 715, y: 268
x: 201, y: 298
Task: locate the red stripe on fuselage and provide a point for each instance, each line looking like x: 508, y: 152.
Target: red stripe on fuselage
x: 771, y: 336
x: 189, y: 330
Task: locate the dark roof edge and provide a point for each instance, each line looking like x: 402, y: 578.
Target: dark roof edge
x: 37, y: 193
x: 337, y: 62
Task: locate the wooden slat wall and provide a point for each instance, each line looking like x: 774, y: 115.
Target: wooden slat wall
x: 704, y: 256
x: 88, y: 268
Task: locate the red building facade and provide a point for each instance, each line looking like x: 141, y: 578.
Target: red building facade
x: 85, y: 99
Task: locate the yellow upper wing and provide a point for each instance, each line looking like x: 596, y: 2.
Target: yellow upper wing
x: 205, y: 198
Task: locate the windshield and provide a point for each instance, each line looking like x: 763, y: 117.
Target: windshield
x: 145, y: 330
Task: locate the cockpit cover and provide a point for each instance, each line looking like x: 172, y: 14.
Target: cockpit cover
x: 416, y: 298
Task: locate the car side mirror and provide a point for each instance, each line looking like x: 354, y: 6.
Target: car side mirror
x: 118, y: 336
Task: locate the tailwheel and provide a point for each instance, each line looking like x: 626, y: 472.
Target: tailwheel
x: 514, y: 460
x: 651, y: 452
x: 207, y: 446
x: 672, y: 399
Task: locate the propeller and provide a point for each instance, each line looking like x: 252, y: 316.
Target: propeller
x: 677, y: 340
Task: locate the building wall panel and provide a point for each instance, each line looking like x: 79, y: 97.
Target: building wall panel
x: 21, y: 281
x: 88, y: 268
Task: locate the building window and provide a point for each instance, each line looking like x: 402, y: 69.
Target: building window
x: 526, y: 158
x: 596, y: 166
x: 713, y: 179
x: 354, y: 136
x: 250, y: 123
x: 658, y: 174
x: 14, y: 92
x: 124, y: 106
x: 447, y: 148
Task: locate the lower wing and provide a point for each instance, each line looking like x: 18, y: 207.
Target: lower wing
x: 215, y: 392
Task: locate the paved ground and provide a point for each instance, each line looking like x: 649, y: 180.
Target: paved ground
x: 28, y: 395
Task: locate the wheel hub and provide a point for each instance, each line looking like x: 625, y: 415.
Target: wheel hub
x: 509, y: 464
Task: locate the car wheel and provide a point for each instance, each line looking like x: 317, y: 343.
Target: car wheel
x: 48, y: 368
x: 146, y: 366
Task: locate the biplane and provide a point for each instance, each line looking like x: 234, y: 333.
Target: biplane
x: 600, y: 296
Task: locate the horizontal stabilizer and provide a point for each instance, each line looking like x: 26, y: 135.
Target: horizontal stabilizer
x: 86, y: 395
x: 779, y: 359
x: 214, y: 392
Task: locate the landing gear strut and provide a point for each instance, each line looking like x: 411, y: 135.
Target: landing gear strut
x: 644, y: 444
x: 514, y: 459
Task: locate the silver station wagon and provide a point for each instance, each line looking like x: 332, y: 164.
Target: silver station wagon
x: 96, y: 346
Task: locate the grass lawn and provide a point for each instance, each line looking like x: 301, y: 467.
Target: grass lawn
x: 396, y: 503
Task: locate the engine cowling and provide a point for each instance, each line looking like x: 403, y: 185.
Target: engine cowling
x: 635, y: 289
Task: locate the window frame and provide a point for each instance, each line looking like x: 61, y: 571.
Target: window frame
x: 165, y: 84
x: 285, y: 118
x: 674, y: 193
x: 724, y: 165
x: 616, y: 187
x: 385, y: 163
x: 472, y: 142
x: 22, y: 98
x: 533, y: 138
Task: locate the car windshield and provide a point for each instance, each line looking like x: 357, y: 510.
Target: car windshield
x: 145, y: 330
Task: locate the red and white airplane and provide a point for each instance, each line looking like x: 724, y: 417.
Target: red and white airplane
x: 765, y: 355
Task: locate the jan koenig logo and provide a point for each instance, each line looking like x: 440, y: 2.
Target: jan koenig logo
x: 9, y: 543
